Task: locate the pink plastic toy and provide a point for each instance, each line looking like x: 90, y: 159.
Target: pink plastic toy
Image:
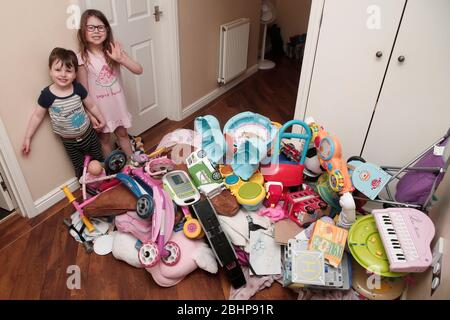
x: 159, y: 248
x: 275, y: 214
x: 274, y: 194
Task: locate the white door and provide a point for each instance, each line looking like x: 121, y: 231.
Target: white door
x: 347, y: 73
x: 134, y: 25
x: 414, y: 106
x: 5, y: 199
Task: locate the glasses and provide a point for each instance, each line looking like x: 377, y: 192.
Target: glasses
x: 92, y: 28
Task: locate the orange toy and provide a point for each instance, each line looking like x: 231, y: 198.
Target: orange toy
x: 329, y: 151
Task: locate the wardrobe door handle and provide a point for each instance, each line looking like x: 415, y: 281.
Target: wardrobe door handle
x: 379, y: 54
x: 401, y: 58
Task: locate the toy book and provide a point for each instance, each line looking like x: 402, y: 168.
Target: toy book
x: 330, y: 240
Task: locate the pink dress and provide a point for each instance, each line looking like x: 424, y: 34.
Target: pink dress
x: 105, y: 87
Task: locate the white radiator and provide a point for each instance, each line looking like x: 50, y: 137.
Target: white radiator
x: 234, y: 37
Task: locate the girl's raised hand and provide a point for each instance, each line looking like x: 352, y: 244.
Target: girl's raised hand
x: 116, y: 53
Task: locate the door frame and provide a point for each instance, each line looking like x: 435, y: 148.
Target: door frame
x: 312, y: 40
x: 171, y: 58
x: 14, y: 176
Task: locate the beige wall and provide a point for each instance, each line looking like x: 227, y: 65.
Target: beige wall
x: 199, y: 24
x: 292, y: 17
x: 30, y: 30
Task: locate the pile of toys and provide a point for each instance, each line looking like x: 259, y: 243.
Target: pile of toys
x: 259, y: 201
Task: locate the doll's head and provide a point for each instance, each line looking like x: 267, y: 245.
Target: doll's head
x: 95, y: 168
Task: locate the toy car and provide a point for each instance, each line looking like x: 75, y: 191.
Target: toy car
x: 291, y: 152
x: 201, y: 170
x: 304, y: 207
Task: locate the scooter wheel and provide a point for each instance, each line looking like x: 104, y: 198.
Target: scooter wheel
x: 115, y: 162
x: 145, y: 206
x: 149, y: 255
x: 174, y: 254
x: 192, y: 229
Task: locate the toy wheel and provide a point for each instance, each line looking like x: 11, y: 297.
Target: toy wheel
x: 336, y: 181
x: 145, y: 206
x: 356, y: 158
x: 323, y: 205
x: 216, y: 175
x: 174, y: 254
x: 149, y: 255
x: 310, y: 210
x: 201, y: 154
x: 192, y: 229
x: 115, y: 162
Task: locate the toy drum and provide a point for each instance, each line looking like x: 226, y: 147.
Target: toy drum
x: 233, y: 183
x: 251, y: 196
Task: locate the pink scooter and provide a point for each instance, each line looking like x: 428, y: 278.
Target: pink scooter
x: 163, y: 220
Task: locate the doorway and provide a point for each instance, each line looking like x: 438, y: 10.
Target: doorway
x: 286, y: 36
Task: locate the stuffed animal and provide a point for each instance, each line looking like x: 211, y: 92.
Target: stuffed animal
x: 194, y: 254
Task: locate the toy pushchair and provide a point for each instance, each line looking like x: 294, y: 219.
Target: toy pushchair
x: 417, y: 180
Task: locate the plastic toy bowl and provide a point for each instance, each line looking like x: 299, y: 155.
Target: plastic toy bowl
x: 251, y: 196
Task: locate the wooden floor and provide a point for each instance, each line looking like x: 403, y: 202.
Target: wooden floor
x: 35, y: 254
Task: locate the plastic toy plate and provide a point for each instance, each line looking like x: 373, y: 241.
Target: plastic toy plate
x: 367, y: 248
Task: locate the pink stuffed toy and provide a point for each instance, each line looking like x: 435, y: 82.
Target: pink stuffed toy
x: 194, y: 254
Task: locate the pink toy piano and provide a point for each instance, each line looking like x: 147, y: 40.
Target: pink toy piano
x: 406, y: 234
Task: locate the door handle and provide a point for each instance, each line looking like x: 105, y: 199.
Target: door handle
x: 401, y: 58
x: 158, y: 13
x: 379, y: 54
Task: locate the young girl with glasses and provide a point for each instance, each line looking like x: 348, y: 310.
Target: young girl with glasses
x: 99, y: 62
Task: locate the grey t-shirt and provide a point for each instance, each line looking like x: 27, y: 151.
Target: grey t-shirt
x: 68, y: 116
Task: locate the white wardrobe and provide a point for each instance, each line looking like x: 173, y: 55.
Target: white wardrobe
x: 380, y: 76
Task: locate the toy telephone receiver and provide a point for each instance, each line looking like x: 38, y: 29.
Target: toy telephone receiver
x: 329, y: 152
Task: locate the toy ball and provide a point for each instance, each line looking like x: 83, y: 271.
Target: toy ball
x: 312, y: 163
x: 95, y: 168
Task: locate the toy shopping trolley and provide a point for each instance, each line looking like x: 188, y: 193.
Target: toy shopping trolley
x: 417, y: 180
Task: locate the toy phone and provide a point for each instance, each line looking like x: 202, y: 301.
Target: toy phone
x: 181, y: 188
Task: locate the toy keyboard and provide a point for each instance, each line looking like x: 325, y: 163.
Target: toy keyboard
x: 406, y: 235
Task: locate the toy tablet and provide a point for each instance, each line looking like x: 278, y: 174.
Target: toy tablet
x: 367, y: 248
x: 180, y: 187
